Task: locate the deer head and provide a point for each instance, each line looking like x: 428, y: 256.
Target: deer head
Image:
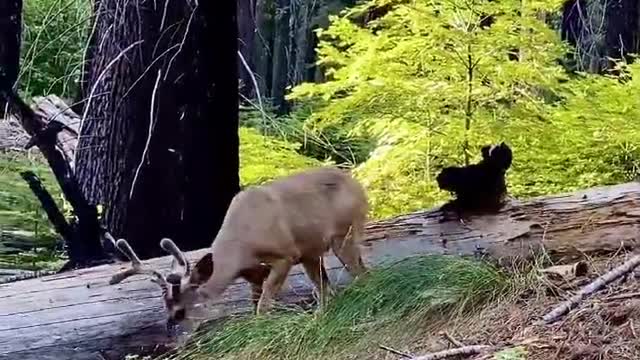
x: 179, y: 287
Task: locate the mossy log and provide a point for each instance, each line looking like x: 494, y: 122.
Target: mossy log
x: 77, y: 315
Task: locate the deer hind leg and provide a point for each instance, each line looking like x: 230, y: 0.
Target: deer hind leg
x: 314, y: 267
x: 278, y: 274
x: 347, y: 250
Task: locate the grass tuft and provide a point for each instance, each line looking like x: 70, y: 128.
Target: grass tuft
x: 405, y: 293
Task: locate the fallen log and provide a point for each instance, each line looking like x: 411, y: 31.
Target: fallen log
x: 77, y: 315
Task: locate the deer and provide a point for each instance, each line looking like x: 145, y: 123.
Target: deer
x: 267, y: 230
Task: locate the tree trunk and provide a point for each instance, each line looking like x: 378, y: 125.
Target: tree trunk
x: 263, y: 54
x: 159, y: 145
x: 600, y: 29
x: 211, y: 142
x: 247, y: 29
x: 302, y: 42
x: 10, y: 36
x: 78, y: 315
x: 622, y: 28
x: 280, y: 57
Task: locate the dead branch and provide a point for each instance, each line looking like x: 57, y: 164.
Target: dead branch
x: 594, y: 286
x: 461, y: 351
x: 396, y: 352
x: 451, y: 339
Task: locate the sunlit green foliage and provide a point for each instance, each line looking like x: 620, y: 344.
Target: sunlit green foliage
x: 263, y: 158
x: 433, y: 78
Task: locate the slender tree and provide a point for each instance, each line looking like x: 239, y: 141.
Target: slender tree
x: 159, y: 141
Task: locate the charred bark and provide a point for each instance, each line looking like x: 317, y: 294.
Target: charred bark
x: 263, y: 54
x: 10, y: 35
x: 600, y: 30
x: 211, y: 142
x: 280, y: 56
x: 622, y: 28
x: 302, y: 42
x: 54, y: 214
x: 246, y: 34
x: 159, y: 140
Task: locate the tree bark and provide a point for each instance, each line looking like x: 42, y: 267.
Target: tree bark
x: 302, y: 42
x: 247, y: 29
x: 159, y: 144
x: 78, y: 315
x: 622, y: 28
x: 280, y: 56
x: 600, y: 30
x: 263, y: 54
x: 10, y: 36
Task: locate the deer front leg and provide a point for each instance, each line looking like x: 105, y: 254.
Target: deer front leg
x: 256, y: 277
x: 318, y: 274
x: 278, y: 274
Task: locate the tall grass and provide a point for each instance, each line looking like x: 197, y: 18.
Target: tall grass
x: 401, y: 295
x: 54, y: 37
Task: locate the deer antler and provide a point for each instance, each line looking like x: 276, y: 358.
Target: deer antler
x: 169, y: 246
x: 137, y: 267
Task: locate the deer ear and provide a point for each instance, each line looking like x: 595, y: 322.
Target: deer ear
x: 202, y: 271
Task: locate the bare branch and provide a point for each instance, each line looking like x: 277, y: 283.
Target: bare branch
x: 594, y: 286
x: 461, y: 351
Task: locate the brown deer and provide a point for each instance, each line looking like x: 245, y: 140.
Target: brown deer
x: 266, y: 231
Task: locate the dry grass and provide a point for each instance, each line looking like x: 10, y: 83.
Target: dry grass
x: 604, y: 326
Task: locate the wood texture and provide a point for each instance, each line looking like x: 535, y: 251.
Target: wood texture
x: 77, y: 315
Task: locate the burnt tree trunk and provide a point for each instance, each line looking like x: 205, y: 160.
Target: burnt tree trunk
x: 211, y: 144
x: 600, y: 30
x: 10, y: 35
x: 246, y: 28
x: 262, y: 53
x: 159, y: 143
x: 302, y: 42
x: 279, y: 80
x: 622, y: 28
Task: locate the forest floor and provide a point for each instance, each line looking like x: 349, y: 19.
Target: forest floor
x: 604, y: 326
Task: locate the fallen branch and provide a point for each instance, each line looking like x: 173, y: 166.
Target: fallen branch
x: 594, y: 286
x: 622, y: 296
x: 54, y: 214
x: 452, y: 340
x: 461, y: 351
x: 84, y: 247
x: 396, y: 352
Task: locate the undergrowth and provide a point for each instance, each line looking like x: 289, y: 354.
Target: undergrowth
x: 21, y: 216
x: 396, y: 298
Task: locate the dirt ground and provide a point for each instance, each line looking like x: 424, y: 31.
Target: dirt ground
x: 604, y: 326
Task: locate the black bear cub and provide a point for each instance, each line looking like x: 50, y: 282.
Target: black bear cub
x: 481, y: 186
